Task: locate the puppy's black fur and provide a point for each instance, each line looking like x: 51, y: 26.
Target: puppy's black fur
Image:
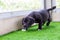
x: 38, y: 17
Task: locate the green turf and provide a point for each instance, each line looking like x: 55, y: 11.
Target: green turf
x: 47, y: 33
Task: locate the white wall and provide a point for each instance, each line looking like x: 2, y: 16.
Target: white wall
x: 10, y: 24
x: 56, y: 12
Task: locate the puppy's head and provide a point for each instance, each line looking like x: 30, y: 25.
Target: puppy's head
x: 27, y: 22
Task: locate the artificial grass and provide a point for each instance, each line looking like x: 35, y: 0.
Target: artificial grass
x: 47, y: 33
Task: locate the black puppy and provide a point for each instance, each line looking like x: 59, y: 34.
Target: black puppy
x: 37, y: 17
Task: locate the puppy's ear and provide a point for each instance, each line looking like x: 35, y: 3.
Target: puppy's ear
x: 31, y: 20
x: 23, y: 21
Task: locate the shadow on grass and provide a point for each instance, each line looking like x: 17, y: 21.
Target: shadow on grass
x: 48, y: 27
x: 33, y: 29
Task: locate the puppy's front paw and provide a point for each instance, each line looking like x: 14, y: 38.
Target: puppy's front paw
x: 39, y: 29
x: 23, y: 29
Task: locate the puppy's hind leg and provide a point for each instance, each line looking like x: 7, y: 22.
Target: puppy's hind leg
x: 49, y: 20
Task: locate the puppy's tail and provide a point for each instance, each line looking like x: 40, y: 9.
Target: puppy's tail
x: 50, y: 9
